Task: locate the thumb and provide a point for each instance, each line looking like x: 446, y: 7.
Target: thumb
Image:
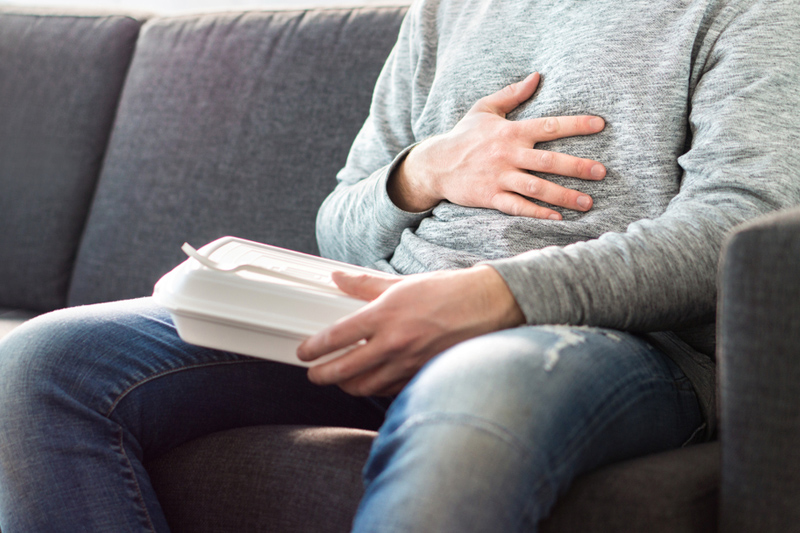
x: 510, y: 97
x: 363, y: 286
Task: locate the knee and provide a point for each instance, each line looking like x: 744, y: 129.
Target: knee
x: 480, y: 377
x: 522, y: 382
x: 37, y: 355
x: 58, y: 355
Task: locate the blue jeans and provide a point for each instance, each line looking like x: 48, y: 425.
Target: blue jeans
x: 485, y: 438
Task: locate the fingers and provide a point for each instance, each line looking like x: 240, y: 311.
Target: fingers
x: 364, y: 286
x: 346, y: 332
x: 560, y: 164
x: 382, y: 381
x: 510, y: 97
x: 515, y: 205
x: 552, y: 128
x: 521, y: 186
x: 357, y: 362
x: 367, y: 370
x: 551, y: 193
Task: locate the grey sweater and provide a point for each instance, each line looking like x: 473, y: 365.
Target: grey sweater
x: 701, y: 101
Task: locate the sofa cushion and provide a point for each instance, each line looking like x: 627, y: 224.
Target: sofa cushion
x: 60, y: 80
x: 289, y: 478
x: 10, y: 319
x: 229, y: 124
x: 283, y: 478
x: 669, y: 492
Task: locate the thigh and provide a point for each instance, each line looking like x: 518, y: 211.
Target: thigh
x: 510, y: 419
x: 125, y: 361
x: 566, y: 383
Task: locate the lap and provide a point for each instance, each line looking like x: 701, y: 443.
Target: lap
x: 558, y: 387
x: 125, y: 361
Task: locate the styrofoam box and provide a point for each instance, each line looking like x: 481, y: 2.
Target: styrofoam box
x: 250, y: 312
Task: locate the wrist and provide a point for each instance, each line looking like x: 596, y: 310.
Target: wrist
x: 406, y: 186
x: 500, y: 301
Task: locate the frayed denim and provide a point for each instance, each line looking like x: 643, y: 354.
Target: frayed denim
x: 492, y: 431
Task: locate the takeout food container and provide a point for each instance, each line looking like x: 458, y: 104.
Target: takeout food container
x: 229, y: 298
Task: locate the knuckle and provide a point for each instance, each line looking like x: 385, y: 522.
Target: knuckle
x: 550, y: 125
x: 546, y: 160
x: 509, y: 91
x: 397, y: 342
x: 363, y: 389
x: 534, y: 188
x: 515, y: 209
x: 495, y: 201
x: 581, y: 167
x: 495, y: 151
x: 506, y: 131
x: 353, y: 389
x: 408, y: 365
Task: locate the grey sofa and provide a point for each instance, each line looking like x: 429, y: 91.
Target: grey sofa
x: 123, y: 136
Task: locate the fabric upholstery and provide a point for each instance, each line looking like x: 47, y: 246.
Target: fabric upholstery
x: 759, y: 376
x: 277, y: 479
x: 288, y: 479
x: 60, y: 80
x: 221, y: 117
x: 661, y: 493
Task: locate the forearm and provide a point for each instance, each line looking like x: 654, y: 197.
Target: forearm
x: 659, y: 275
x: 359, y: 223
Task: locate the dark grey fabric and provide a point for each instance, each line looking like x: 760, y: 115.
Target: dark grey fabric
x: 228, y: 125
x: 290, y: 479
x: 759, y: 362
x: 670, y: 492
x: 60, y: 80
x: 263, y: 479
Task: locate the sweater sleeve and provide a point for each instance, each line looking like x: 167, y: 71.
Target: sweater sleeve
x: 358, y: 223
x: 743, y: 161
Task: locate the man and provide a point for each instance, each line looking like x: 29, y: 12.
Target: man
x: 674, y: 121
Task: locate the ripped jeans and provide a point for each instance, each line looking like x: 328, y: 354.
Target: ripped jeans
x: 485, y: 437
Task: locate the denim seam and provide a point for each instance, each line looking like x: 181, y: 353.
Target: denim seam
x: 574, y: 438
x: 598, y: 418
x: 140, y: 496
x: 163, y: 373
x: 481, y: 424
x: 492, y: 429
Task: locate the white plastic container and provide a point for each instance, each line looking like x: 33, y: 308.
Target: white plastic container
x: 227, y: 296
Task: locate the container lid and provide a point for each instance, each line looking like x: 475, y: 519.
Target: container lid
x: 233, y: 280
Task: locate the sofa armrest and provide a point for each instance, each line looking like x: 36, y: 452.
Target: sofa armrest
x: 759, y: 374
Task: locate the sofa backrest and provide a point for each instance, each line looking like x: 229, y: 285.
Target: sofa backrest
x: 60, y: 81
x: 229, y: 124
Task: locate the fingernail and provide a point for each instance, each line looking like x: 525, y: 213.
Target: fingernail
x: 585, y: 202
x: 597, y: 123
x: 554, y: 216
x: 598, y: 171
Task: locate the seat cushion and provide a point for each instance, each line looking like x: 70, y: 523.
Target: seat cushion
x: 10, y: 319
x: 290, y: 478
x: 228, y: 125
x: 670, y: 492
x: 276, y: 479
x: 60, y: 80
